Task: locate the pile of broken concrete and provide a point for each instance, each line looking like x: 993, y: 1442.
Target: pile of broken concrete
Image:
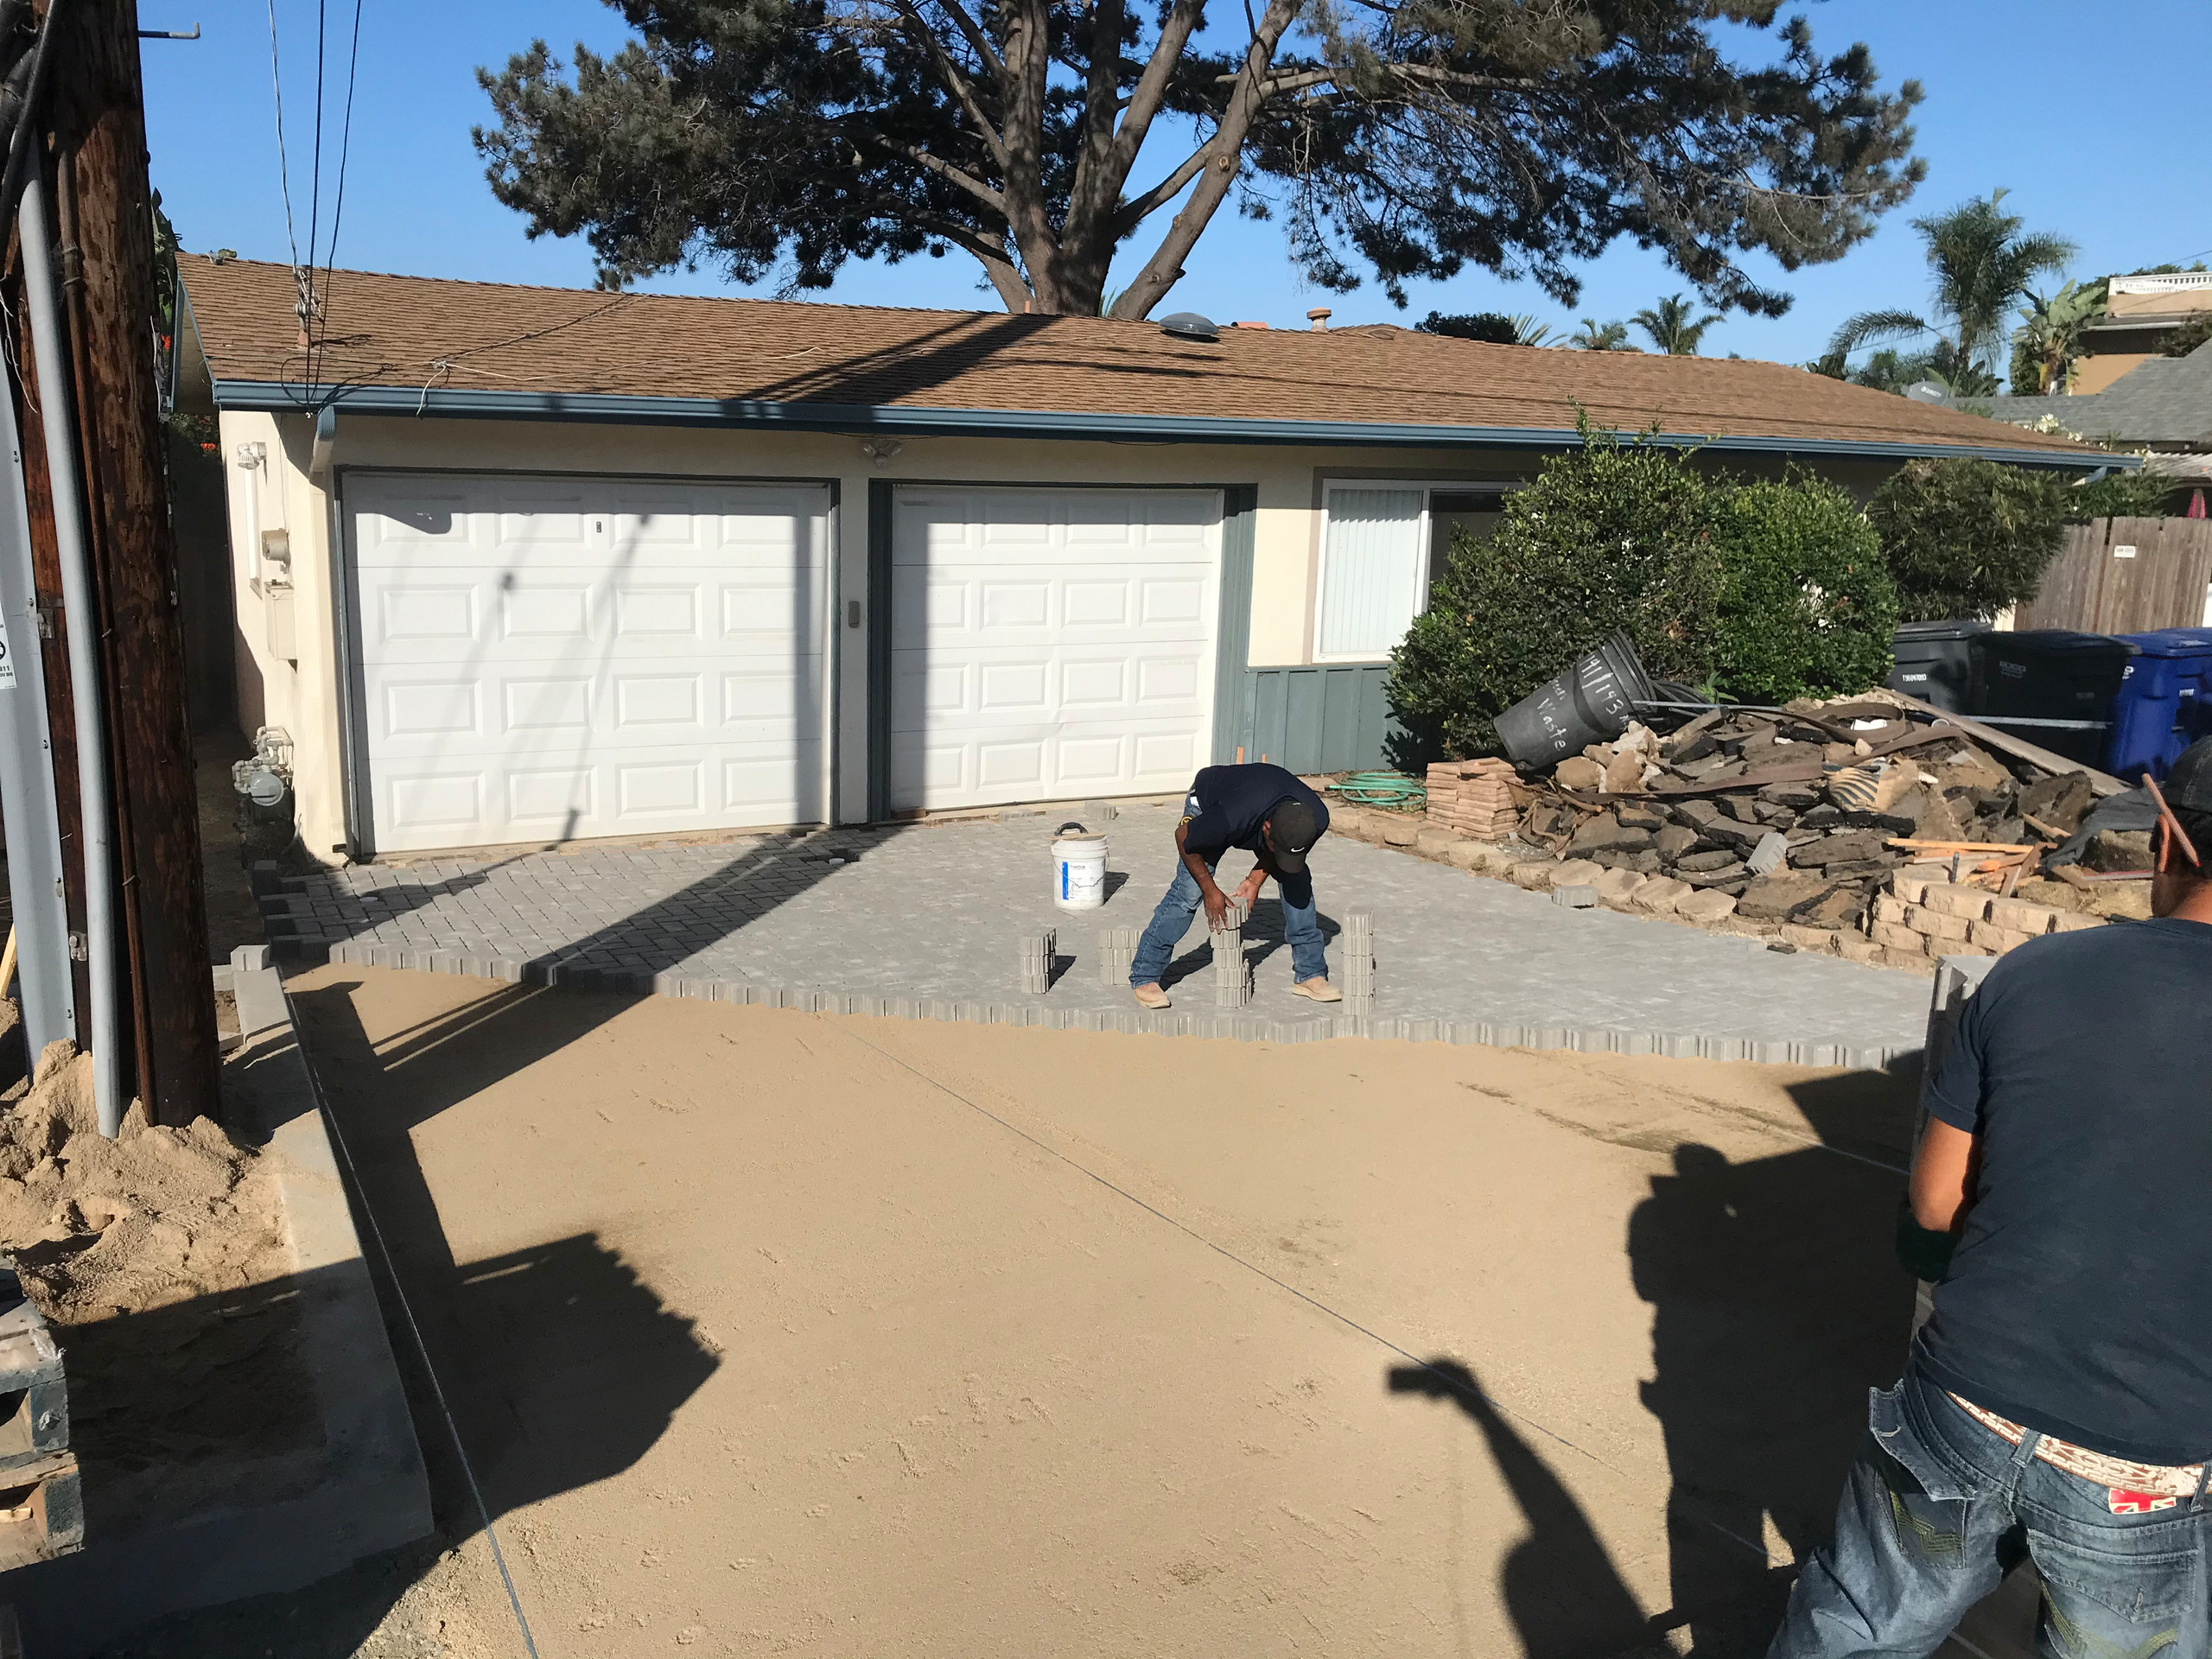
x: 1797, y: 824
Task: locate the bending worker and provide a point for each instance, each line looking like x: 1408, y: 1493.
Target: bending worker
x: 1270, y: 814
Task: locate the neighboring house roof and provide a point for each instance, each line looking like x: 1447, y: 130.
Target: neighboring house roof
x: 419, y: 346
x: 2167, y: 400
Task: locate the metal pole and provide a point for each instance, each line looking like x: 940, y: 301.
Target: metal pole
x: 27, y: 797
x: 82, y: 614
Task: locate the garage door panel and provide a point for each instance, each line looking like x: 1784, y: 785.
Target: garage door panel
x: 1049, y: 642
x: 587, y: 656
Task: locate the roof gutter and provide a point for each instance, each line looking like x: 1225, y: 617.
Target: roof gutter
x: 291, y: 398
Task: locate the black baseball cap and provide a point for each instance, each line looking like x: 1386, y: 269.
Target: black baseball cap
x: 2189, y: 780
x: 1291, y: 834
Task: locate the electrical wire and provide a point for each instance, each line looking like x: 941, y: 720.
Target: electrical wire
x: 338, y: 208
x: 284, y: 162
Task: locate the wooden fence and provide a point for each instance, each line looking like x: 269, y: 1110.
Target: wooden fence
x: 2125, y: 576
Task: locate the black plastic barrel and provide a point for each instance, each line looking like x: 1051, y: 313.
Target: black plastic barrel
x: 1934, y: 663
x: 2054, y: 674
x: 1591, y: 701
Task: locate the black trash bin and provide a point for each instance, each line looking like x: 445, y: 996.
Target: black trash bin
x: 2053, y: 674
x: 1934, y: 663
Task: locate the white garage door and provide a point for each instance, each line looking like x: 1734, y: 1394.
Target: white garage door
x: 543, y: 658
x: 1049, y: 644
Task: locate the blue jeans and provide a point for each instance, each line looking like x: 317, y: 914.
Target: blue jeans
x: 1938, y: 1508
x: 1301, y: 927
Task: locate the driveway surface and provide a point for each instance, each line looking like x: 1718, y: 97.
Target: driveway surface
x: 935, y: 911
x: 769, y: 1332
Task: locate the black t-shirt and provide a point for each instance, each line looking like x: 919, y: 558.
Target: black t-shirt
x: 1227, y: 804
x: 2079, y: 1301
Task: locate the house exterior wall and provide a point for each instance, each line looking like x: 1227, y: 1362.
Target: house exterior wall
x: 306, y: 695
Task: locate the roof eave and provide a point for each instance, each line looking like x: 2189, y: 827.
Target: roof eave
x: 293, y: 398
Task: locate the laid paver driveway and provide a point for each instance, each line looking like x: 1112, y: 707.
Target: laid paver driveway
x: 935, y: 911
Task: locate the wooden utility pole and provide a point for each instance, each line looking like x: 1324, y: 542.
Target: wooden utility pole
x: 104, y: 231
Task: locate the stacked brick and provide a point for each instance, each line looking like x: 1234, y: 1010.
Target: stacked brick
x: 1356, y: 963
x: 1117, y: 954
x: 1232, y: 969
x: 1925, y: 915
x: 1034, y: 967
x: 1473, y: 798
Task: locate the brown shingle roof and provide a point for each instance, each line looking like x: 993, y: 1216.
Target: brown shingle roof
x: 414, y: 333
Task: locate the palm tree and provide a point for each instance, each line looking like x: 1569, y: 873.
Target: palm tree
x: 1595, y: 336
x: 2048, y: 338
x: 1671, y: 327
x: 1983, y: 263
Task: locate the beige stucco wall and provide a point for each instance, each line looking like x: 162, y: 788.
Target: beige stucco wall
x: 2160, y: 302
x: 2097, y: 373
x: 302, y: 696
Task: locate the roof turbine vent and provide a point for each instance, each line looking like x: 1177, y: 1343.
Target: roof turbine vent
x: 1189, y: 325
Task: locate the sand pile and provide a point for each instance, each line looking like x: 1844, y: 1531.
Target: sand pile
x: 154, y: 1217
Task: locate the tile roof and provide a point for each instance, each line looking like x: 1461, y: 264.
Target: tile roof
x: 416, y: 332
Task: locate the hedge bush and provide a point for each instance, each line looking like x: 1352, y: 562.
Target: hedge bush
x: 1807, y: 606
x: 1615, y: 535
x: 1966, y: 538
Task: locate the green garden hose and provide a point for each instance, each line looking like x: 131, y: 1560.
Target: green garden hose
x: 1380, y: 788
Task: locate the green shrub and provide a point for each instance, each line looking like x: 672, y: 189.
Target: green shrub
x: 1807, y: 606
x: 1966, y: 538
x: 2140, y: 493
x: 1614, y: 534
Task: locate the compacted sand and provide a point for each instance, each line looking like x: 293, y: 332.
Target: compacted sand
x: 770, y: 1332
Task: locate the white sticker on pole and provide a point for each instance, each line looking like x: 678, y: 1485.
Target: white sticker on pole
x: 7, y: 658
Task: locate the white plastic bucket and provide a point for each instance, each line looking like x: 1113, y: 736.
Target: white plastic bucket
x: 1079, y: 872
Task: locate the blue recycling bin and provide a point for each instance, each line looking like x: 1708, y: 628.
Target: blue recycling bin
x: 2165, y: 703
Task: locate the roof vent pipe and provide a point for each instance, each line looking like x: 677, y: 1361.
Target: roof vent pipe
x: 1189, y: 325
x: 1319, y: 316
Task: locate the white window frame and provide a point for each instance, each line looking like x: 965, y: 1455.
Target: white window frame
x: 1430, y: 489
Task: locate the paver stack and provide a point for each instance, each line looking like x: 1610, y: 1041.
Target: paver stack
x: 1232, y: 969
x: 1356, y: 963
x: 1034, y: 966
x: 1117, y: 951
x: 45, y: 1514
x: 1473, y: 798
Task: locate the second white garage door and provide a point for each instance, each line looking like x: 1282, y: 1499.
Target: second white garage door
x: 542, y: 658
x: 1051, y: 644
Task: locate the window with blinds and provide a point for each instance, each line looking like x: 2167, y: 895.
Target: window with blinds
x: 1374, y: 569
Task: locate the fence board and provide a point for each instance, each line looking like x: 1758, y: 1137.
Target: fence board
x: 2088, y: 587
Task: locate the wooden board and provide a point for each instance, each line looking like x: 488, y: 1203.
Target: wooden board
x: 2089, y: 585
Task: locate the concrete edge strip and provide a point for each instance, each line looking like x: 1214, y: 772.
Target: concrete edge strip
x: 1585, y: 1040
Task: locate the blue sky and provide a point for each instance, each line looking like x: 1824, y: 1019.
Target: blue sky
x: 2092, y: 116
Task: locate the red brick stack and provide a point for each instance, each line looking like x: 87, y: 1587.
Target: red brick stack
x: 1473, y: 798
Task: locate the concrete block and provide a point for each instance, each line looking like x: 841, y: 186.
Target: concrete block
x: 1767, y: 856
x: 1999, y: 939
x: 1617, y: 888
x: 1706, y: 906
x: 250, y: 957
x: 1896, y: 937
x: 1433, y: 843
x: 2071, y: 921
x: 1972, y: 903
x: 1660, y: 894
x: 2021, y: 916
x: 1890, y: 909
x: 1535, y: 875
x: 1934, y: 924
x: 1576, y: 873
x: 1821, y: 940
x: 1579, y: 896
x: 1477, y: 857
x: 1399, y: 830
x: 1851, y: 948
x: 1911, y: 883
